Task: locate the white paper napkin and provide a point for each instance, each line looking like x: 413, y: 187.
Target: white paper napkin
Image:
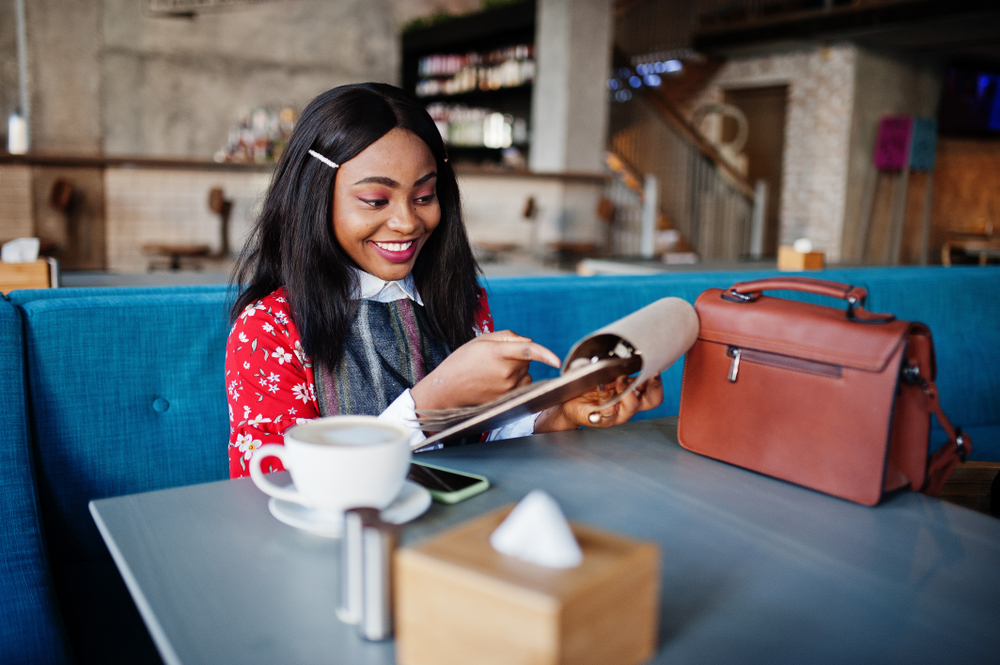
x: 803, y: 245
x: 20, y: 250
x: 537, y: 531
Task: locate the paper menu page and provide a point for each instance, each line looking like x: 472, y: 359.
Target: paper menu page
x: 646, y: 342
x: 659, y: 333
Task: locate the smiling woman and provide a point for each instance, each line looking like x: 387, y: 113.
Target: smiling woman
x: 358, y: 290
x: 385, y: 204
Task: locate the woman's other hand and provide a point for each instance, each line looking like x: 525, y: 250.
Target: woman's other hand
x: 579, y: 411
x: 480, y: 370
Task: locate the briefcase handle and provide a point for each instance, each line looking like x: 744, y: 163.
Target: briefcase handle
x: 854, y: 295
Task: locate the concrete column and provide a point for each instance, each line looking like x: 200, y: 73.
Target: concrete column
x: 569, y: 106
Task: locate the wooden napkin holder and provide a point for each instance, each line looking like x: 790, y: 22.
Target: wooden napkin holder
x: 31, y: 275
x: 789, y: 259
x: 459, y: 601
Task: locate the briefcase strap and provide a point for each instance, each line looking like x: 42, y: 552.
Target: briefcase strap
x: 947, y: 457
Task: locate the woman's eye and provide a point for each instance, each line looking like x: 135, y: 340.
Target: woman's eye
x: 426, y: 198
x: 376, y: 203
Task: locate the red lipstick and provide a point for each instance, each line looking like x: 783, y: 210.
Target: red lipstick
x: 393, y: 256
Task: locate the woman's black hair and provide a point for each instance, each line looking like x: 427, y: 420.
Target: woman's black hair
x: 293, y: 243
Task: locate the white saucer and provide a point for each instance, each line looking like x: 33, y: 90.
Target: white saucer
x: 412, y: 502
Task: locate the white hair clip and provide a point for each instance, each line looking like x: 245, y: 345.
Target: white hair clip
x: 328, y: 162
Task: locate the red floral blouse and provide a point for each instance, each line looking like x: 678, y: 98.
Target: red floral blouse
x: 269, y: 378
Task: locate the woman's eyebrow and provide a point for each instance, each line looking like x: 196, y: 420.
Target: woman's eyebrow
x: 389, y: 182
x: 380, y: 180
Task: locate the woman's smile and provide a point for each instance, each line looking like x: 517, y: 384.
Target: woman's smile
x: 397, y: 252
x: 385, y: 204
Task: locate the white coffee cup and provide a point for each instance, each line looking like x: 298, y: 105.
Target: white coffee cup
x: 339, y: 462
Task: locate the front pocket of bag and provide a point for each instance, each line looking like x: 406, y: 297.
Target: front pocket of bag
x: 742, y: 355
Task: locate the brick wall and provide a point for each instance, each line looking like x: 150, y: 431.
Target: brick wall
x: 820, y: 84
x: 165, y: 206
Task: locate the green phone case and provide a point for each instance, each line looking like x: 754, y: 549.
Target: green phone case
x: 459, y: 495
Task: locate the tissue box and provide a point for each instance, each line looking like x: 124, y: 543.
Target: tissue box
x: 33, y: 275
x: 459, y: 601
x: 789, y: 259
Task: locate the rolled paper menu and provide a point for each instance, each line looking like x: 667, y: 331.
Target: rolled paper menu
x: 658, y: 334
x: 646, y: 342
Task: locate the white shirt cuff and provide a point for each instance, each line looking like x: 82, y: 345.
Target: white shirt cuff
x: 521, y: 427
x: 403, y: 411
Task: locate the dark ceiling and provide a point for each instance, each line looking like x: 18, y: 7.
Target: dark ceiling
x: 956, y: 30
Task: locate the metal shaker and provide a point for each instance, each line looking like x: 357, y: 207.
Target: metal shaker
x: 349, y: 605
x: 367, y: 547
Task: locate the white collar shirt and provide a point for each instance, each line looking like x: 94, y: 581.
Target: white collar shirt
x: 371, y: 287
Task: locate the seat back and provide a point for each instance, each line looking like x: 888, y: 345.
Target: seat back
x: 127, y: 395
x: 22, y: 296
x: 31, y: 628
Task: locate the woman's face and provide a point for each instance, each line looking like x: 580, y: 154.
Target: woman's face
x: 385, y: 204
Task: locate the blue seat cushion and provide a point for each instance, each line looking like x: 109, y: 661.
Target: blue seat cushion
x: 30, y: 624
x: 22, y: 296
x: 127, y: 395
x: 961, y: 306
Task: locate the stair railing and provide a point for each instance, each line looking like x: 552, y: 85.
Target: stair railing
x: 704, y: 198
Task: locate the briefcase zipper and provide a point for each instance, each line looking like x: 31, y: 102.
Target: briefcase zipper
x: 779, y: 361
x: 734, y: 368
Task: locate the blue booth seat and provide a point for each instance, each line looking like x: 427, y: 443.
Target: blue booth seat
x: 127, y: 395
x: 20, y: 298
x: 961, y: 306
x: 31, y: 628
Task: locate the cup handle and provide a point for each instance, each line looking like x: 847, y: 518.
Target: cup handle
x: 261, y: 480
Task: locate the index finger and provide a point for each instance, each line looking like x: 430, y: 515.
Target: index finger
x: 505, y: 336
x: 513, y: 350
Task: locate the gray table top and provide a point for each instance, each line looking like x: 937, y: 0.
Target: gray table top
x: 754, y: 569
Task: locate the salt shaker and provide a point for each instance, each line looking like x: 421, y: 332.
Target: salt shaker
x: 367, y: 548
x: 349, y: 606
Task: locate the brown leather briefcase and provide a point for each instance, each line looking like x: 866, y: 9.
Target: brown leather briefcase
x: 832, y: 399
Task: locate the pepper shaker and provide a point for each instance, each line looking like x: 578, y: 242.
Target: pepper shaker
x: 349, y: 607
x: 367, y: 549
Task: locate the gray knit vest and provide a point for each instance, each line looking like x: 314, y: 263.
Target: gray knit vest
x: 389, y: 349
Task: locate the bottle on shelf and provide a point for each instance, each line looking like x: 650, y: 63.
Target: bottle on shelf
x: 259, y: 137
x: 454, y: 74
x: 17, y: 134
x: 473, y: 127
